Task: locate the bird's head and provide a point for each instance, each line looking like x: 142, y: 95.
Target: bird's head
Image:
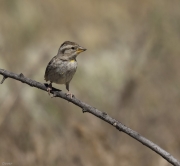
x: 70, y: 49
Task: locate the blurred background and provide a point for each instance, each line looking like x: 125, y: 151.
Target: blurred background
x: 131, y: 70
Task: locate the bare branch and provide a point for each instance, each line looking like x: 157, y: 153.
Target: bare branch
x: 4, y: 77
x: 87, y: 108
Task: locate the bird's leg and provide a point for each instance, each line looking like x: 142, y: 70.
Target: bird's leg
x: 68, y: 93
x: 49, y: 88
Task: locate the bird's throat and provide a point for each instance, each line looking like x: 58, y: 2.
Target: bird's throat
x: 72, y: 60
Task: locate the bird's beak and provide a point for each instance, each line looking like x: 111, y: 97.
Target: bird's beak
x: 81, y: 49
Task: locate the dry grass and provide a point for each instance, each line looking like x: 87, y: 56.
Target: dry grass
x: 131, y: 70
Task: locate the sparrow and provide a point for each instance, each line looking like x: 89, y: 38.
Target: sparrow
x: 62, y: 67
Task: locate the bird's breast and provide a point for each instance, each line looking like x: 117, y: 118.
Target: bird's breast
x: 72, y: 64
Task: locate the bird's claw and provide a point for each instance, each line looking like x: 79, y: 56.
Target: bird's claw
x: 49, y: 90
x: 69, y: 94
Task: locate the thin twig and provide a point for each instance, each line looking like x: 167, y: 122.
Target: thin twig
x: 4, y: 77
x: 102, y: 115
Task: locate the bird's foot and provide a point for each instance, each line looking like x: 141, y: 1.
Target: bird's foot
x: 49, y: 88
x: 69, y: 94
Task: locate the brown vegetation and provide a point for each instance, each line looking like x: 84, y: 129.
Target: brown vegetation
x: 131, y: 70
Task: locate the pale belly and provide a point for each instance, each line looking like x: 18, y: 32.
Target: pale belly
x: 65, y: 73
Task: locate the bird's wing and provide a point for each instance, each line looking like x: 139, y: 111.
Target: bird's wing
x: 56, y: 62
x: 49, y: 68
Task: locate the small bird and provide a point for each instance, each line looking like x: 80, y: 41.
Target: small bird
x: 62, y: 67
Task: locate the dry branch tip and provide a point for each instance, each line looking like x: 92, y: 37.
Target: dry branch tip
x: 4, y: 77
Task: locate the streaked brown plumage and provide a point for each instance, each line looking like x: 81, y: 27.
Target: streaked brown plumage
x: 62, y: 67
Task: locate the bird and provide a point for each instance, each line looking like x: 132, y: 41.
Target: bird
x: 62, y: 67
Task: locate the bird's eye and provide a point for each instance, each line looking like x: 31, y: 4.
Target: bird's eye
x: 72, y: 48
